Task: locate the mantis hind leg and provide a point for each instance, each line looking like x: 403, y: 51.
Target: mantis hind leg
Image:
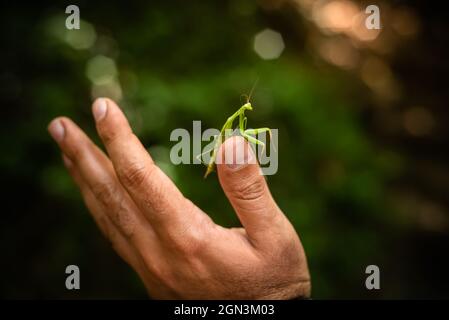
x: 252, y: 139
x: 249, y: 132
x: 257, y: 131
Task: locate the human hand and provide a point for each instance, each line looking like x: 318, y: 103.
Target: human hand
x: 175, y: 248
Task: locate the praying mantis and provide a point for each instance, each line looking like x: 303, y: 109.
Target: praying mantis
x: 226, y: 132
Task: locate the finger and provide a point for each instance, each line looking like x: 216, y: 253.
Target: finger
x: 143, y: 263
x: 109, y: 230
x: 157, y: 196
x: 120, y: 243
x: 244, y: 185
x: 97, y: 172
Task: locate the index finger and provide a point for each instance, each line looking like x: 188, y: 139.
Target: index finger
x: 153, y: 192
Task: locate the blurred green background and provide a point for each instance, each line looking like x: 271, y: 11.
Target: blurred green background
x: 362, y: 118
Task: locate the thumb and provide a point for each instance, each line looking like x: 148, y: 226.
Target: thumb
x: 244, y: 185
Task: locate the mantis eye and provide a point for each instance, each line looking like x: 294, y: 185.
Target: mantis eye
x: 248, y: 106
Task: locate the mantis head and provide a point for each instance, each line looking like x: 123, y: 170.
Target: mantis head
x: 247, y: 106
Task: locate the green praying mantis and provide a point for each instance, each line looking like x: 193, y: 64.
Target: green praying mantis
x: 226, y: 132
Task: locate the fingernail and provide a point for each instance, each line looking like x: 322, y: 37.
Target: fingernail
x: 238, y: 153
x: 67, y: 162
x: 100, y: 108
x: 56, y: 130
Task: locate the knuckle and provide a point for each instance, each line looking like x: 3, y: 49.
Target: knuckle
x: 252, y: 189
x: 133, y: 174
x: 104, y: 192
x: 110, y: 197
x: 154, y: 202
x: 157, y: 201
x: 124, y: 219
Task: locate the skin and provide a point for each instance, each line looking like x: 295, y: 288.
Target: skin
x: 175, y: 248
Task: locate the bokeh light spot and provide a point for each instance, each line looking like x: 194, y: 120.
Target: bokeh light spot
x: 101, y: 70
x: 418, y: 121
x: 82, y: 38
x: 269, y: 44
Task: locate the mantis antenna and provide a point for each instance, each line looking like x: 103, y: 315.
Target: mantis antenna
x: 252, y: 90
x: 248, y: 96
